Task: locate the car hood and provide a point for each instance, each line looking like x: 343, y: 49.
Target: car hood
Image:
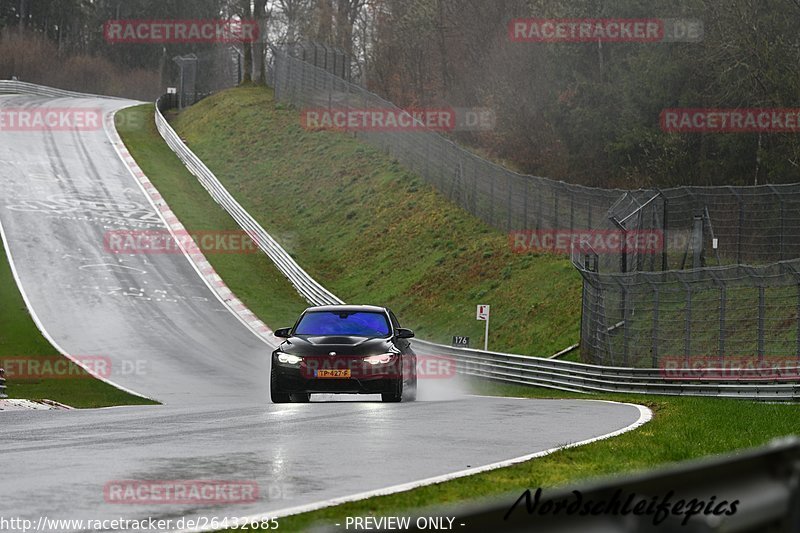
x: 342, y: 345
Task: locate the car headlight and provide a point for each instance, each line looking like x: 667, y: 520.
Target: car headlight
x: 289, y: 359
x: 379, y: 359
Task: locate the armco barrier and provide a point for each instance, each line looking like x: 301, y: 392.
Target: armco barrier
x: 305, y: 284
x: 21, y: 87
x: 762, y: 482
x: 507, y: 368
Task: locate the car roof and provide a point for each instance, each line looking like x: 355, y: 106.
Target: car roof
x: 349, y: 308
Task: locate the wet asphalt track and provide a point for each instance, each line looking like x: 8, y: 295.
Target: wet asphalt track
x: 60, y: 192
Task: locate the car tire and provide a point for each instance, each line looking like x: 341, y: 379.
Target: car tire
x: 274, y: 391
x: 411, y: 392
x: 396, y: 395
x: 300, y: 397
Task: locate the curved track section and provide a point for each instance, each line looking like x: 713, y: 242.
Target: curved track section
x: 60, y: 192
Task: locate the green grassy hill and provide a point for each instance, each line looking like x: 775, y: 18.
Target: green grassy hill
x: 374, y: 233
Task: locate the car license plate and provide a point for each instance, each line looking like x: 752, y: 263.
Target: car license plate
x: 332, y: 374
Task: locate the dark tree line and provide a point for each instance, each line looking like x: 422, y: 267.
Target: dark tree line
x: 583, y: 112
x: 589, y: 112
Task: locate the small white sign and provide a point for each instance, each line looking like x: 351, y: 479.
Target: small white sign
x: 483, y: 312
x: 715, y: 243
x: 172, y: 90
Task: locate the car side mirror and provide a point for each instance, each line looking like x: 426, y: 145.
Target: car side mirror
x: 283, y: 333
x: 403, y: 333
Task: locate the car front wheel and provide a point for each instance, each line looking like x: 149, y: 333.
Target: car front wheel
x: 395, y: 395
x: 274, y: 392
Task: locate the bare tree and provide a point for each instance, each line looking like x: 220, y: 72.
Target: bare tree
x: 261, y: 15
x: 294, y: 12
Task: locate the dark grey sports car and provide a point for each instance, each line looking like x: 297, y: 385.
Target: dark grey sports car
x: 344, y: 349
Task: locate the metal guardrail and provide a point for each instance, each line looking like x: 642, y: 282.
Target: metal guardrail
x: 508, y: 368
x: 580, y: 377
x: 2, y: 384
x: 763, y: 483
x: 21, y: 87
x: 302, y: 281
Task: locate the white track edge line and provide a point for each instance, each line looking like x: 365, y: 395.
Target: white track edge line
x: 645, y: 415
x: 44, y: 332
x: 162, y: 215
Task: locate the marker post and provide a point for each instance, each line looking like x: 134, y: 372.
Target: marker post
x: 483, y: 314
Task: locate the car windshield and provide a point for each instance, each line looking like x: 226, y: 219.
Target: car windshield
x: 358, y: 324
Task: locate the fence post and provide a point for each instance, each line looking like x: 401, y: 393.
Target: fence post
x: 687, y: 322
x: 508, y: 203
x: 491, y: 202
x: 626, y: 321
x: 664, y: 236
x: 571, y: 211
x: 782, y: 221
x: 474, y: 189
x: 555, y: 206
x: 539, y: 209
x: 723, y: 306
x: 525, y: 204
x: 330, y: 92
x: 655, y: 326
x: 589, y: 217
x: 697, y: 242
x: 739, y: 225
x: 761, y: 313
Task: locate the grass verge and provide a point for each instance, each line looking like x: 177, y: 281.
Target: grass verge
x: 23, y: 349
